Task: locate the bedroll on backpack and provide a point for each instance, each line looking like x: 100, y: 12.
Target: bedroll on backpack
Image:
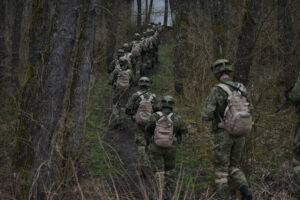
x: 144, y: 111
x: 123, y: 81
x: 237, y: 117
x: 163, y: 133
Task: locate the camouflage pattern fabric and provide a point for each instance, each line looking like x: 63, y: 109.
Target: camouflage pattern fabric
x: 119, y: 97
x: 163, y: 159
x: 227, y: 149
x: 132, y: 107
x: 112, y: 65
x: 295, y: 96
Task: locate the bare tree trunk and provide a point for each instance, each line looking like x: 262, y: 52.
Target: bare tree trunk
x: 148, y: 16
x: 139, y: 14
x: 146, y: 11
x: 112, y: 27
x: 166, y: 13
x: 286, y: 44
x: 219, y: 18
x: 44, y: 93
x: 181, y: 22
x: 80, y: 82
x: 3, y: 50
x: 16, y: 36
x: 247, y: 39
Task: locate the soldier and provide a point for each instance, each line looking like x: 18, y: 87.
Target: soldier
x: 228, y: 148
x: 129, y: 57
x: 115, y: 62
x: 164, y: 132
x: 141, y: 106
x: 121, y: 79
x: 294, y: 97
x: 136, y: 52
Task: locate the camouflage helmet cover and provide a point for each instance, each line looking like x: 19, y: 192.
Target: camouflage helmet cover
x: 126, y: 47
x: 221, y: 65
x: 123, y: 62
x: 167, y: 102
x: 137, y: 36
x: 144, y: 81
x: 120, y: 52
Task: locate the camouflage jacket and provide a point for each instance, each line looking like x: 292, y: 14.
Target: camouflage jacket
x: 180, y: 127
x: 216, y: 102
x: 134, y: 102
x: 294, y: 94
x: 113, y: 65
x: 114, y: 76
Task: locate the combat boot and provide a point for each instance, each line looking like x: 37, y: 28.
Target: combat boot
x: 246, y: 194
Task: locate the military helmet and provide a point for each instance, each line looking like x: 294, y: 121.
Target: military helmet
x: 168, y: 102
x: 120, y: 52
x: 123, y: 62
x: 144, y: 81
x: 144, y: 34
x: 126, y: 47
x: 221, y: 65
x: 137, y: 36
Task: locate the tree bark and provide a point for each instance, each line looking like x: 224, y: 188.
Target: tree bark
x: 2, y: 42
x: 219, y: 19
x: 80, y: 82
x: 166, y: 13
x: 148, y: 16
x: 139, y: 14
x: 286, y: 44
x: 246, y: 42
x: 44, y: 92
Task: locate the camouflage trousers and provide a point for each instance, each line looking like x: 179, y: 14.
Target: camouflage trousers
x: 139, y: 67
x: 119, y: 99
x: 226, y: 158
x: 141, y: 145
x: 163, y: 166
x: 296, y: 162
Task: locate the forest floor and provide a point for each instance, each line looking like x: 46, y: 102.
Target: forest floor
x: 109, y: 162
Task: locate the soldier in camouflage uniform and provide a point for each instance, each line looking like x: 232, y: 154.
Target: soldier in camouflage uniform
x: 115, y: 62
x: 129, y: 57
x: 136, y: 52
x: 163, y: 159
x: 294, y: 97
x: 227, y: 150
x: 132, y: 106
x: 119, y: 96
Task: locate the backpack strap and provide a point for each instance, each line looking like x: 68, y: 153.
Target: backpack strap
x: 225, y: 88
x: 140, y: 94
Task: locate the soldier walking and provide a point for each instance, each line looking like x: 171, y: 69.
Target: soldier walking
x: 140, y: 107
x: 229, y: 135
x: 164, y: 132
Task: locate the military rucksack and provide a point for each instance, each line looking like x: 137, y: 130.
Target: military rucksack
x: 237, y: 117
x: 145, y: 110
x: 164, y: 130
x: 123, y: 80
x: 136, y: 49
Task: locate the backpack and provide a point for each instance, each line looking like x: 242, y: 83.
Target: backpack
x: 123, y: 80
x: 237, y: 117
x: 163, y: 133
x: 136, y: 49
x: 144, y: 111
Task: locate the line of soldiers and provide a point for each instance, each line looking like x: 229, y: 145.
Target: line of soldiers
x: 159, y: 130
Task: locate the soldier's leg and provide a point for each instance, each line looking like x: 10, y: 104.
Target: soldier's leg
x: 141, y: 146
x: 221, y: 158
x: 296, y: 163
x: 235, y: 172
x: 170, y: 172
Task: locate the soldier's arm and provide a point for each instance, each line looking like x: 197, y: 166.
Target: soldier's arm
x: 112, y: 77
x: 180, y: 127
x: 210, y: 105
x: 130, y: 106
x: 294, y: 94
x: 111, y: 66
x: 155, y: 104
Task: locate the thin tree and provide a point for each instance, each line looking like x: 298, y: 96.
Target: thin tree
x: 139, y: 14
x: 247, y: 37
x: 219, y: 18
x: 166, y: 13
x: 148, y: 16
x: 2, y: 41
x: 43, y: 94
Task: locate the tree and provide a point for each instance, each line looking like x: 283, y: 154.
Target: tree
x: 247, y: 40
x: 43, y: 94
x: 80, y: 83
x: 2, y: 40
x: 149, y: 12
x: 166, y: 13
x: 219, y: 18
x: 139, y: 14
